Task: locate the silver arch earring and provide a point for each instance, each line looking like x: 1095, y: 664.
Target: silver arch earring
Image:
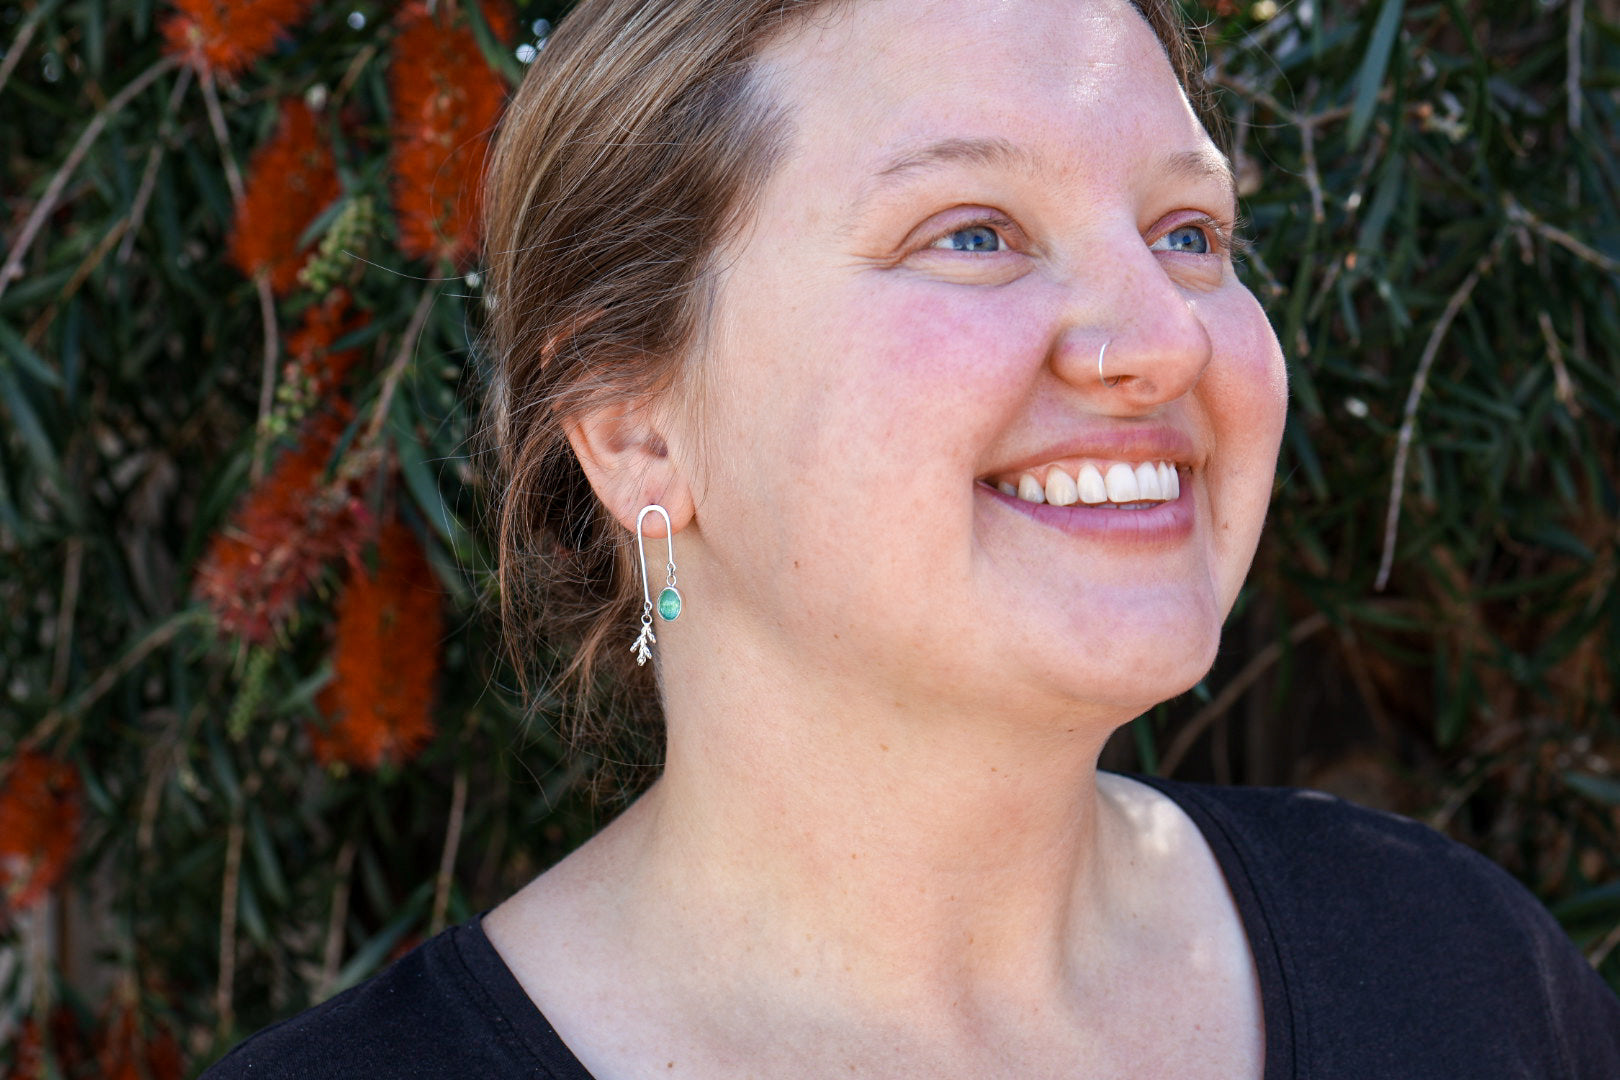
x: 669, y: 598
x: 1100, y: 354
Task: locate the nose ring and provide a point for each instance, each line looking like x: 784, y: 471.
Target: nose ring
x: 1100, y: 354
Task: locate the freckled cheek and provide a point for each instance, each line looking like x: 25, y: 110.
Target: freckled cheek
x: 950, y: 353
x: 1246, y: 382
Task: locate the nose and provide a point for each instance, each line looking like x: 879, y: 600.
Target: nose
x: 1127, y: 312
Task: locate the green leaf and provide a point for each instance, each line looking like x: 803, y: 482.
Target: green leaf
x: 1370, y: 78
x: 264, y: 857
x: 424, y: 488
x: 496, y: 55
x: 26, y: 358
x: 1603, y: 789
x: 368, y: 959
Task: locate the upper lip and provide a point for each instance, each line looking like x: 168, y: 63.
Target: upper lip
x: 1159, y: 443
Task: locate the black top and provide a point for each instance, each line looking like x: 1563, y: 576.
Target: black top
x: 1385, y: 951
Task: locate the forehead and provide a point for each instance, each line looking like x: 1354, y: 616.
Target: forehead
x: 878, y: 89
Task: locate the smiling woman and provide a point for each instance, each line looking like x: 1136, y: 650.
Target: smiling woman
x: 917, y: 322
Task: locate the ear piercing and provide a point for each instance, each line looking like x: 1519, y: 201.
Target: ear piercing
x: 669, y: 598
x: 1100, y: 354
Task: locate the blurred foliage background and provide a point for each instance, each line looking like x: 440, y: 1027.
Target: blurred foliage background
x: 255, y: 740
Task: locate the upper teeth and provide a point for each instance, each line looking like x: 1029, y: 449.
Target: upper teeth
x: 1155, y: 481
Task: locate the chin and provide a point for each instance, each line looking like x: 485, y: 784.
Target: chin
x: 1146, y: 669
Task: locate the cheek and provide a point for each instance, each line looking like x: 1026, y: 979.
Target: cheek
x: 1245, y: 386
x: 939, y: 369
x: 1245, y: 392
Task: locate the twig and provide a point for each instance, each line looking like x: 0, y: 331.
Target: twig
x: 216, y: 120
x: 261, y: 284
x: 342, y: 868
x: 1403, y: 444
x: 1563, y: 385
x: 12, y: 269
x: 452, y: 842
x: 109, y: 678
x: 224, y: 1008
x: 396, y: 369
x: 1519, y: 215
x: 64, y: 615
x: 39, y: 327
x: 1605, y: 947
x: 19, y: 44
x: 165, y: 756
x: 267, y: 370
x: 143, y: 194
x: 1572, y: 73
x: 1232, y: 691
x: 1313, y: 175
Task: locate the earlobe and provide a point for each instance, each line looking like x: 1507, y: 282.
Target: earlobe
x: 628, y: 463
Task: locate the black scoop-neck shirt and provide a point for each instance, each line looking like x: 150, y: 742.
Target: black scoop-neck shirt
x: 1385, y: 951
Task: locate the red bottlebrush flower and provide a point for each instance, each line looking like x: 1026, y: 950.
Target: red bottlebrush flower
x: 40, y: 815
x: 229, y: 35
x: 60, y: 1041
x: 446, y: 101
x: 283, y: 535
x: 385, y: 658
x: 126, y: 1052
x: 313, y: 364
x: 290, y: 180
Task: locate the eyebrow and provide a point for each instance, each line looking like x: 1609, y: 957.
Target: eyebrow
x: 1203, y: 164
x: 965, y: 151
x: 1206, y: 163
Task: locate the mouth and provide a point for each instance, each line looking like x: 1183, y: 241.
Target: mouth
x: 1099, y: 482
x: 1140, y: 505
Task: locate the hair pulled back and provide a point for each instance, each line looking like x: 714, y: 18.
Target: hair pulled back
x: 633, y: 151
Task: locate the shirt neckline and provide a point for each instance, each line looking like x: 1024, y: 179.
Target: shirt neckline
x: 525, y: 1021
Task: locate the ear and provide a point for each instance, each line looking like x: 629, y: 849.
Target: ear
x: 627, y: 461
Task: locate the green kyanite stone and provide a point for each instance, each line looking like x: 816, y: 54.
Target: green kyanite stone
x: 669, y: 604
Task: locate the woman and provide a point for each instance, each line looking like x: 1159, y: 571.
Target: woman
x: 917, y: 322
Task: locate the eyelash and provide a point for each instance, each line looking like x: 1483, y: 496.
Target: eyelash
x: 1224, y: 239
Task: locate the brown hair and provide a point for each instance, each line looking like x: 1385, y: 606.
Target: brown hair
x: 633, y: 151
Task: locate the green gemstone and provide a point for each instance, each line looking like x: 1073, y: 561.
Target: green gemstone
x: 669, y: 604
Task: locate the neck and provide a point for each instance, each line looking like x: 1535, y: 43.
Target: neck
x: 898, y: 855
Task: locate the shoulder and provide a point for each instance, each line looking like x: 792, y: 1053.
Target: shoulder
x: 1383, y: 916
x: 426, y: 1015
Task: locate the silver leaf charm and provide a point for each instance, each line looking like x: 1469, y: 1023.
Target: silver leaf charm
x: 644, y: 639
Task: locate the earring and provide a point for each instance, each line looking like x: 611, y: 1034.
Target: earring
x: 669, y: 598
x: 1101, y: 353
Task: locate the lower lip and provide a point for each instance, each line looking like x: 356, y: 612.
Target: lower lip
x: 1160, y: 526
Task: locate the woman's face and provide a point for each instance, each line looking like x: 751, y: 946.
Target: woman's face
x: 977, y: 197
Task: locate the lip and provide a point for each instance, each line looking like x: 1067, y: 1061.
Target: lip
x: 1157, y: 443
x: 1164, y: 526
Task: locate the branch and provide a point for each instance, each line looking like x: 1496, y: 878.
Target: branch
x: 1403, y: 445
x: 216, y: 120
x: 1572, y: 73
x: 396, y: 369
x: 12, y: 269
x: 452, y: 842
x: 109, y: 676
x: 333, y: 953
x: 19, y: 44
x: 143, y: 194
x: 1520, y: 216
x: 1256, y: 667
x: 224, y: 994
x: 267, y: 369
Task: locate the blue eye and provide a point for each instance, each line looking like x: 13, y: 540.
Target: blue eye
x: 1189, y: 238
x: 971, y: 238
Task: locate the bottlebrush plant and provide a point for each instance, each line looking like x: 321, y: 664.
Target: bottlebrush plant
x: 255, y: 738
